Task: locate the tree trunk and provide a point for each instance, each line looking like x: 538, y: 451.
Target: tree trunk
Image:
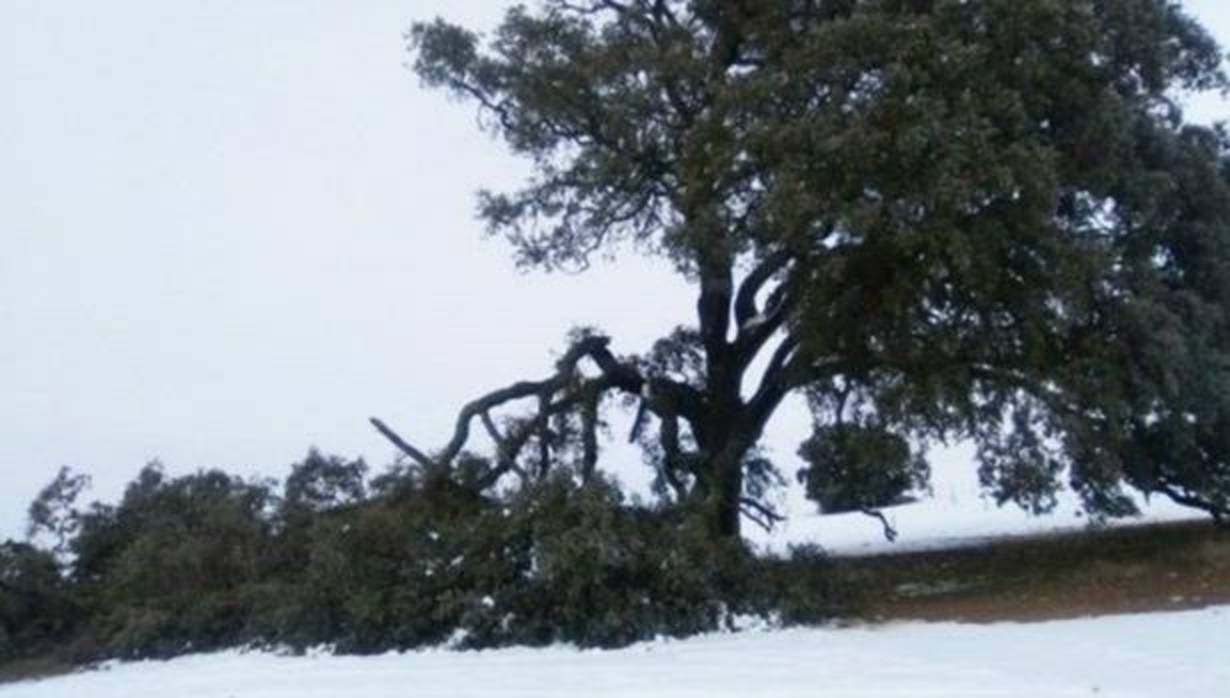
x: 733, y: 431
x: 723, y: 486
x: 724, y: 509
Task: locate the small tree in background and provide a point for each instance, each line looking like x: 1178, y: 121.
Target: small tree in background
x: 53, y: 512
x: 856, y: 468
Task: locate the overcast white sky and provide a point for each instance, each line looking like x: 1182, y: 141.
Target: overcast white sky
x: 232, y: 230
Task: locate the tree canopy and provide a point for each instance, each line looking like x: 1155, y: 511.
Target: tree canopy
x: 937, y: 219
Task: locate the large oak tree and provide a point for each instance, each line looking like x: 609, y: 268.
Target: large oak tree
x: 937, y: 219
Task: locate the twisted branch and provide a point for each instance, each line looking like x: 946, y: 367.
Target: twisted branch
x: 558, y: 394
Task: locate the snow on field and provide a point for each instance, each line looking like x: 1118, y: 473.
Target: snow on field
x: 1145, y: 656
x: 936, y: 524
x: 957, y: 512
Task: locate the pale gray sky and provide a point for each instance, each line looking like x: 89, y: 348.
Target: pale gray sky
x: 235, y: 229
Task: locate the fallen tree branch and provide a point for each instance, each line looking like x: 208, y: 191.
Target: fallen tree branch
x: 492, y: 430
x: 592, y: 395
x: 668, y: 437
x: 890, y: 533
x: 559, y: 394
x: 418, y: 456
x: 642, y: 409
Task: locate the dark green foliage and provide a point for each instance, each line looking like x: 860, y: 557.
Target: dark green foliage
x: 980, y: 221
x: 854, y: 467
x: 801, y: 588
x: 316, y: 484
x: 206, y: 561
x: 389, y: 573
x: 35, y: 608
x: 596, y: 571
x: 52, y: 513
x: 324, y: 482
x: 177, y: 564
x: 555, y: 562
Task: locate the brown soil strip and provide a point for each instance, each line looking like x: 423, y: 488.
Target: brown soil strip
x: 1130, y: 570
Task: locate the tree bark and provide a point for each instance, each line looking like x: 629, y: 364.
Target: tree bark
x: 727, y: 495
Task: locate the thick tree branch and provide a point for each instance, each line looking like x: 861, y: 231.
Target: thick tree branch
x: 642, y: 411
x: 753, y: 336
x: 746, y: 310
x: 713, y: 305
x: 774, y: 384
x: 589, y: 431
x: 1219, y: 513
x: 506, y: 456
x: 560, y: 393
x: 565, y: 368
x: 668, y: 437
x: 492, y: 430
x: 401, y: 444
x: 544, y: 434
x: 728, y: 36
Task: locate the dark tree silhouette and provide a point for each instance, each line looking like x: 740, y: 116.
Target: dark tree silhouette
x: 937, y: 219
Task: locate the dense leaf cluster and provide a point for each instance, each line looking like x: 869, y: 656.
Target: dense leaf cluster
x: 407, y: 559
x: 856, y: 468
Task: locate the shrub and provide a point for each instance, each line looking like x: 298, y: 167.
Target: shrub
x: 169, y: 568
x: 35, y: 608
x: 853, y: 467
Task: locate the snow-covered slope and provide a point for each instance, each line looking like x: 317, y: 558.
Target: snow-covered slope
x: 957, y: 512
x: 1147, y: 656
x: 936, y: 524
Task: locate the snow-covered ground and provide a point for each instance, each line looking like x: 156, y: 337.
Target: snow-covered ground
x: 936, y: 523
x: 1144, y: 656
x: 957, y: 512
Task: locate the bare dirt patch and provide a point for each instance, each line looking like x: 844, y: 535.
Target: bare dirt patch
x: 1129, y: 570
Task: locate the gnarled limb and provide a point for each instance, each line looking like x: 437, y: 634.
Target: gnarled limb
x: 642, y: 410
x: 589, y: 430
x: 668, y: 436
x: 1177, y: 495
x: 506, y: 456
x: 562, y: 393
x: 746, y: 309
